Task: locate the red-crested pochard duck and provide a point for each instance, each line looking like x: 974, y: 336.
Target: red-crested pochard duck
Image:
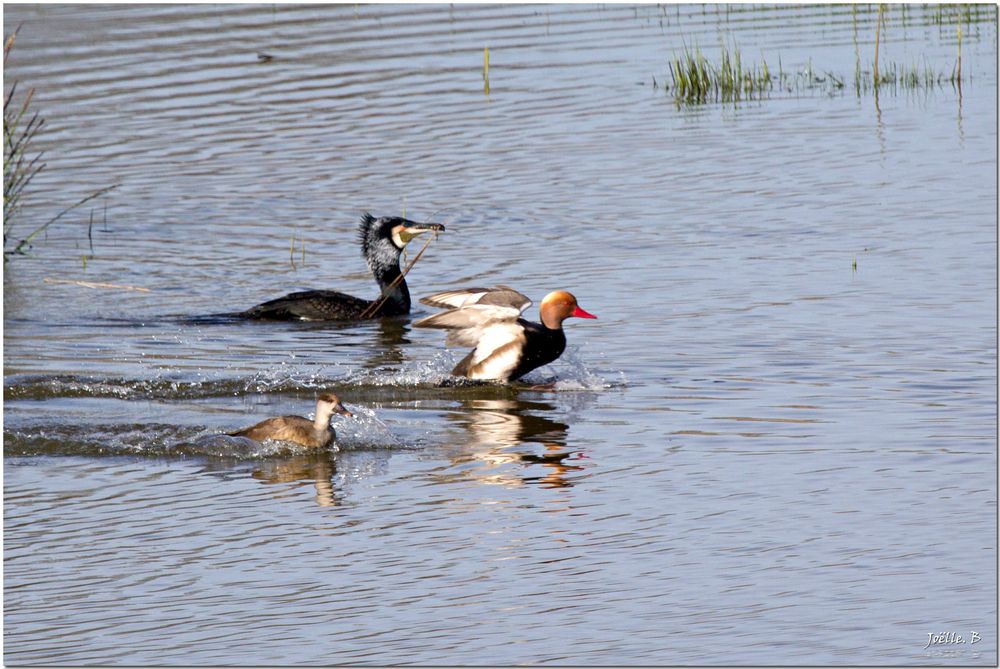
x: 506, y: 346
x: 382, y: 243
x: 316, y: 433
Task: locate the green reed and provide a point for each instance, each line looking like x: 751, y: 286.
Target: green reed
x: 900, y: 76
x: 695, y: 79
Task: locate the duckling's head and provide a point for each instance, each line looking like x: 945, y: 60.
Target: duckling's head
x: 557, y: 307
x: 384, y: 238
x: 327, y: 405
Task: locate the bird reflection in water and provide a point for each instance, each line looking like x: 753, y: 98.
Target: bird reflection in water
x: 315, y: 468
x: 501, y: 432
x: 390, y: 339
x: 384, y: 338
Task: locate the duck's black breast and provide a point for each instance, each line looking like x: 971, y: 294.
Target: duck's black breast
x: 541, y: 346
x: 311, y: 305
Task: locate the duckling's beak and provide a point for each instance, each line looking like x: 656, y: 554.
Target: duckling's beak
x: 404, y: 233
x: 342, y: 410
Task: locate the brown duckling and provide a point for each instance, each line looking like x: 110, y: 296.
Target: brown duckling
x: 311, y: 434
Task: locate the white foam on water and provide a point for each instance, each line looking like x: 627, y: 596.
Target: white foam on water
x: 365, y: 429
x: 422, y: 373
x: 577, y: 375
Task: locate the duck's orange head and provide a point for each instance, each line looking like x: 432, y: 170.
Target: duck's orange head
x: 558, y: 306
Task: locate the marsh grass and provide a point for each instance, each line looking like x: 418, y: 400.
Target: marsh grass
x: 969, y: 14
x: 901, y: 76
x: 696, y: 80
x: 21, y: 164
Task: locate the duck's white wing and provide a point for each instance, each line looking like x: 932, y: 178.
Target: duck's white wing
x: 485, y: 319
x: 471, y: 325
x: 498, y: 352
x: 498, y: 296
x: 494, y: 333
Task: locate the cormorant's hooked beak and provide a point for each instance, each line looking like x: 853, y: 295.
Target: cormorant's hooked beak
x: 404, y: 232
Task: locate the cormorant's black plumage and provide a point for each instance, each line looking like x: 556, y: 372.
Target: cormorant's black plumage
x: 382, y: 242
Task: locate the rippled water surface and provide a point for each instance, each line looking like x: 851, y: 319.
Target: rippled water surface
x: 776, y: 445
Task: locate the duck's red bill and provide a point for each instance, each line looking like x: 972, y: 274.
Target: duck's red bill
x: 580, y: 313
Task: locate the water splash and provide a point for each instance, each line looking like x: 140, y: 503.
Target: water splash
x: 141, y: 439
x: 160, y: 440
x: 365, y: 430
x: 433, y: 373
x: 238, y: 448
x: 577, y: 375
x: 163, y: 386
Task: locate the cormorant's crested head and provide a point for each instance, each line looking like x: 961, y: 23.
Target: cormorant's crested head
x: 379, y: 235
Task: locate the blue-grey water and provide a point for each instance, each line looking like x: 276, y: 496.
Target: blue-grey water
x: 776, y: 445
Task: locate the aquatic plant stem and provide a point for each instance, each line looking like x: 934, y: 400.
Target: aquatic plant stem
x: 878, y: 34
x: 958, y: 63
x: 41, y: 228
x: 486, y: 70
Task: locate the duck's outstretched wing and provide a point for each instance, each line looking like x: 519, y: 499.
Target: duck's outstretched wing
x: 496, y: 334
x: 475, y: 324
x: 498, y: 296
x: 487, y: 319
